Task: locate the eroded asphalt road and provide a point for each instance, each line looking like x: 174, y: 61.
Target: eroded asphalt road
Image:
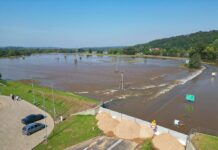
x: 11, y: 113
x: 104, y: 143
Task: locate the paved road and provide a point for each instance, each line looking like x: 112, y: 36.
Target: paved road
x: 104, y: 143
x: 11, y: 137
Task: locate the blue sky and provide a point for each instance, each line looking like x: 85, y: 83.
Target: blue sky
x: 91, y: 23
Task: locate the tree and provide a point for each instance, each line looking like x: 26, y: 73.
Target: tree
x: 0, y: 76
x: 195, y: 60
x: 90, y: 51
x: 129, y: 51
x: 209, y: 53
x: 81, y: 50
x: 114, y: 51
x: 146, y: 52
x: 99, y: 51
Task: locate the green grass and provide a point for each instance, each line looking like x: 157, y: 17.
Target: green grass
x: 70, y: 132
x: 147, y: 145
x: 205, y: 142
x: 65, y: 102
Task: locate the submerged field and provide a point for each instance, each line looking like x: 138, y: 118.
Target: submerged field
x: 99, y: 77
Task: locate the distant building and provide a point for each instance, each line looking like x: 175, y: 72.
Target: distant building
x: 154, y: 49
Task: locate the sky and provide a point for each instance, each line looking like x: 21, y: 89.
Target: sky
x: 97, y: 23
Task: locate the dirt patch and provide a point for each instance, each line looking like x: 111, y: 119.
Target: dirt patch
x: 102, y: 115
x: 124, y: 129
x: 138, y: 140
x: 166, y: 142
x: 146, y: 132
x: 127, y: 130
x: 106, y: 123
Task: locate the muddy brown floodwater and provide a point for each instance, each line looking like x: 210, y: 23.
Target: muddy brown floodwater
x: 200, y: 115
x: 143, y: 78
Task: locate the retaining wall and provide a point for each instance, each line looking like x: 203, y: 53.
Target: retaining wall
x: 92, y: 111
x: 182, y: 138
x: 189, y: 144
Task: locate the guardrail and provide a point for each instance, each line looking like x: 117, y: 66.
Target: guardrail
x: 182, y: 138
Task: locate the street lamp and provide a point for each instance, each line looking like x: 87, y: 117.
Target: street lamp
x: 46, y: 134
x: 54, y: 110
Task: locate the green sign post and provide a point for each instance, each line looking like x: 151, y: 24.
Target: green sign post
x: 190, y: 98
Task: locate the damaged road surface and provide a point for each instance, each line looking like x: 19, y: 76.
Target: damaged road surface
x: 105, y: 143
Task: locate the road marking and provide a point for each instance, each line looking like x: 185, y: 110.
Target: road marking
x: 90, y: 145
x: 115, y: 144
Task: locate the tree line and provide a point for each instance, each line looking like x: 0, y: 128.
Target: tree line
x: 203, y: 43
x: 21, y: 51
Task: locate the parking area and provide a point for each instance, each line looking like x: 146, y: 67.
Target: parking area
x: 105, y: 143
x: 11, y: 113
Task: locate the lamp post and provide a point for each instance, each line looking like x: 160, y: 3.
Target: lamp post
x: 122, y: 81
x: 46, y: 136
x: 34, y: 98
x: 54, y: 110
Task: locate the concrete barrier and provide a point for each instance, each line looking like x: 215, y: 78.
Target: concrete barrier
x: 182, y: 138
x: 92, y: 111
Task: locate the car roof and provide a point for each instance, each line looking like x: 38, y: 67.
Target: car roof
x: 32, y: 124
x: 30, y: 115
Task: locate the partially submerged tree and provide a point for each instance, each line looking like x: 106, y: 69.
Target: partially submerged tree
x: 90, y: 51
x: 195, y: 60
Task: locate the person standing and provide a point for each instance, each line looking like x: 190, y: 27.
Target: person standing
x: 12, y: 96
x: 17, y: 98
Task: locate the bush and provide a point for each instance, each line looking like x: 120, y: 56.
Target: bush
x: 147, y: 145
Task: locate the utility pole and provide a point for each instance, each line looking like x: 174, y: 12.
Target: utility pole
x: 34, y: 98
x: 54, y: 111
x: 46, y: 136
x: 122, y: 81
x: 116, y: 68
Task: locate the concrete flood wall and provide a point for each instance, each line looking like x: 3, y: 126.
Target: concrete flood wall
x: 182, y: 138
x: 189, y: 144
x: 92, y: 111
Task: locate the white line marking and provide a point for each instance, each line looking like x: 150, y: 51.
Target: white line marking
x: 115, y: 144
x: 90, y: 145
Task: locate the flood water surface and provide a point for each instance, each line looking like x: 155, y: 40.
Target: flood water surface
x: 200, y: 115
x: 94, y: 76
x: 134, y: 85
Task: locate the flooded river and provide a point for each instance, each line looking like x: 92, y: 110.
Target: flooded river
x: 134, y: 84
x: 200, y: 115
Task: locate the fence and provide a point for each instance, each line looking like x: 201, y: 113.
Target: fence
x: 182, y: 138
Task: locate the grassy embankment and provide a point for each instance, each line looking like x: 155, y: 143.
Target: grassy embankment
x: 205, y: 142
x: 71, y: 132
x: 74, y: 129
x: 66, y: 103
